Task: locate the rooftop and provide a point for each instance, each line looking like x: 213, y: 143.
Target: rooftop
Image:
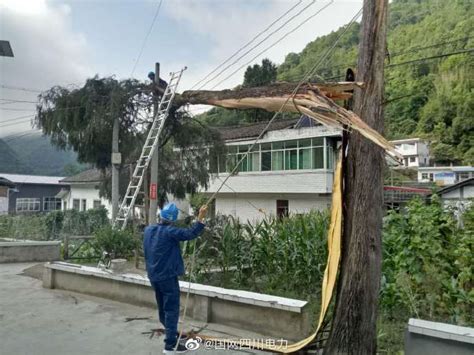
x: 32, y: 179
x: 254, y: 129
x: 406, y: 140
x: 91, y: 175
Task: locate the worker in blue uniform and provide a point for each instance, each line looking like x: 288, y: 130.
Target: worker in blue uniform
x: 164, y: 264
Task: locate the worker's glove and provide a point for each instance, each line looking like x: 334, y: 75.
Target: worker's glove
x: 202, y: 213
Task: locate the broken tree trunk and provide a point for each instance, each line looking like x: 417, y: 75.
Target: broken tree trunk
x: 313, y: 100
x: 355, y: 316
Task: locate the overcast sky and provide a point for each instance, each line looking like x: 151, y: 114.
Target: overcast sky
x: 65, y: 42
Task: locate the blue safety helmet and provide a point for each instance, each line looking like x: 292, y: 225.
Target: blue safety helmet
x: 169, y: 213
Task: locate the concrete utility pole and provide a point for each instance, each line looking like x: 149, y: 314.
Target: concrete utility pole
x: 355, y: 316
x: 116, y: 161
x: 154, y: 160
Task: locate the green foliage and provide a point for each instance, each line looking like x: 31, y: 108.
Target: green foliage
x: 82, y: 119
x: 119, y: 243
x: 256, y: 75
x: 260, y: 75
x: 431, y: 99
x: 427, y: 269
x: 53, y: 225
x: 278, y: 256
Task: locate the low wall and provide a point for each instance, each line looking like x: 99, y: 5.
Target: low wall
x: 433, y: 338
x: 264, y: 314
x: 15, y: 252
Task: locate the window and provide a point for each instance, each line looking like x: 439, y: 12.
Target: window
x: 76, y: 204
x: 412, y: 159
x: 424, y: 176
x: 51, y: 203
x: 463, y: 176
x: 277, y: 160
x: 282, y: 208
x: 295, y: 154
x: 97, y: 204
x: 84, y: 205
x: 28, y: 204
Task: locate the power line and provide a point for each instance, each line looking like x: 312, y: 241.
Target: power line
x: 435, y: 45
x: 15, y: 123
x: 258, y: 44
x: 16, y: 118
x: 19, y: 136
x: 11, y: 87
x: 17, y: 109
x: 146, y: 38
x: 308, y: 75
x: 469, y: 50
x: 396, y: 54
x: 11, y: 101
x: 273, y: 44
x: 247, y: 44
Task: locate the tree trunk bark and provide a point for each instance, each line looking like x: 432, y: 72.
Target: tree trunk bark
x: 354, y: 322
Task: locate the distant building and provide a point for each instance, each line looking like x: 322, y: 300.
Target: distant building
x: 5, y: 187
x: 459, y: 194
x: 33, y: 193
x: 415, y: 152
x: 83, y: 192
x: 289, y: 171
x: 445, y: 175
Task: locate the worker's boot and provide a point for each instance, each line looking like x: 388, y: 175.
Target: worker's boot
x: 179, y: 350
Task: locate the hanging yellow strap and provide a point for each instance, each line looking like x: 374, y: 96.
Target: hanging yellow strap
x: 330, y: 273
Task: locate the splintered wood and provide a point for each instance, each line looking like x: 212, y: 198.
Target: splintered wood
x: 313, y: 100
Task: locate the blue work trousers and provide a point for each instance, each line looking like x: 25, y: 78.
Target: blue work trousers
x: 167, y: 298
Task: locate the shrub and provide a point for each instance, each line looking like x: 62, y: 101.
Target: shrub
x: 427, y: 269
x: 118, y: 243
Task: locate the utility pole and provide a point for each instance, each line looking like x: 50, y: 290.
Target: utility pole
x: 355, y: 316
x: 116, y: 161
x: 153, y: 193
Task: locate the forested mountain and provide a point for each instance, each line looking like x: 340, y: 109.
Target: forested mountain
x: 35, y: 155
x: 9, y: 161
x: 429, y: 82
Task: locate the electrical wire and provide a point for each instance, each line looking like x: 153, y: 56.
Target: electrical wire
x: 15, y: 123
x: 16, y: 118
x: 259, y: 43
x: 307, y: 76
x: 210, y: 199
x: 11, y: 87
x: 146, y: 38
x: 247, y: 44
x: 273, y: 44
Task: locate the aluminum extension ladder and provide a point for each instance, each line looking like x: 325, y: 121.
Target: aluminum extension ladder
x: 148, y: 149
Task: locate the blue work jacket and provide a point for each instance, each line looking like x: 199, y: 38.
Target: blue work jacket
x: 162, y: 252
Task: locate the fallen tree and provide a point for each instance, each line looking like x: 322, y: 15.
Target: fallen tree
x: 313, y: 100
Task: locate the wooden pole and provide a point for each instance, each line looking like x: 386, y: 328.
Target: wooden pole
x: 116, y: 161
x: 354, y: 323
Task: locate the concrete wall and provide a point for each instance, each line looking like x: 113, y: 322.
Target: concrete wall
x: 245, y: 206
x: 433, y: 338
x: 15, y: 252
x: 295, y: 181
x: 260, y: 313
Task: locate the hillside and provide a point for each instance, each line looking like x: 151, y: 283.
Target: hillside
x: 9, y: 161
x: 35, y: 155
x: 428, y: 97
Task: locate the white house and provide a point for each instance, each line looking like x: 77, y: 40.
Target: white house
x: 445, y: 175
x: 290, y: 169
x: 415, y: 152
x: 83, y: 192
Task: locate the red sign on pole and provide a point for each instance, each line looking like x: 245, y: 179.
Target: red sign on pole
x: 152, y: 191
